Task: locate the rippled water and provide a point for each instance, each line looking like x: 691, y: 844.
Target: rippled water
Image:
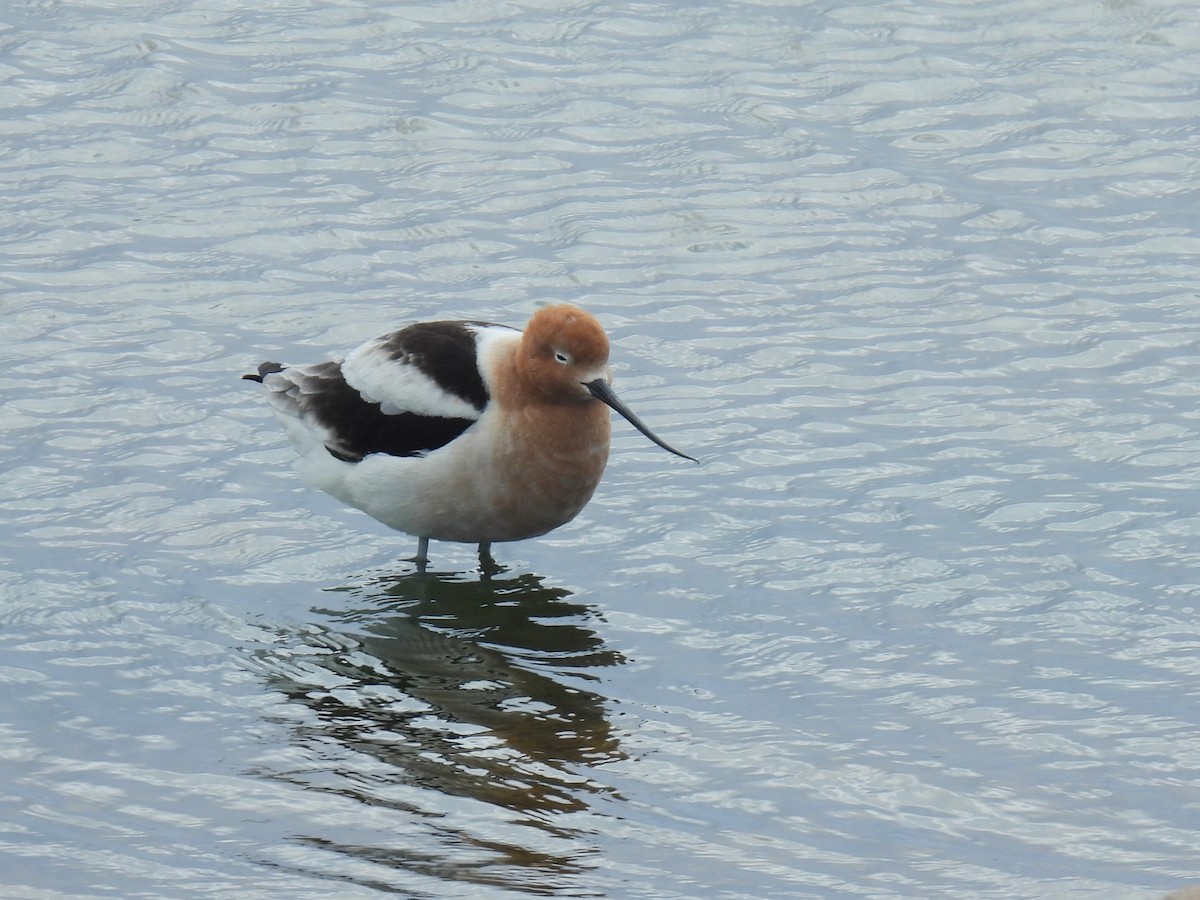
x: 918, y: 282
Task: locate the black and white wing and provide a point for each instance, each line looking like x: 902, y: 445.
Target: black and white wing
x: 405, y: 394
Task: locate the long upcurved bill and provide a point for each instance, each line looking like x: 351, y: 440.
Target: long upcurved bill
x: 602, y: 391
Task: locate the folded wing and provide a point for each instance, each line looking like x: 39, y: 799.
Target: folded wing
x: 405, y: 394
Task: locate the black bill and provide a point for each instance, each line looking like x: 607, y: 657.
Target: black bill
x: 602, y: 391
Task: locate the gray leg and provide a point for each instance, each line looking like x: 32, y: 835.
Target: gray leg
x: 422, y: 559
x: 486, y: 563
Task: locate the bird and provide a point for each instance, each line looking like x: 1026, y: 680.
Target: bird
x: 466, y: 431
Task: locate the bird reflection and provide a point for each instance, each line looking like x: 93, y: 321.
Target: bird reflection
x: 466, y: 686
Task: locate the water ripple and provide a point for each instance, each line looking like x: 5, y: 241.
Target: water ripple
x: 917, y: 282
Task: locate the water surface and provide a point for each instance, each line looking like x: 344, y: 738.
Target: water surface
x: 917, y: 282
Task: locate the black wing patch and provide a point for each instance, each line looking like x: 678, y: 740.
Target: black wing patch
x: 445, y: 351
x: 357, y: 427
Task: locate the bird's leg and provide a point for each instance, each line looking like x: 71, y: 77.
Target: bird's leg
x: 422, y: 557
x: 487, y: 565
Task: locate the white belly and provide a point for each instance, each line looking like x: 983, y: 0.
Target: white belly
x: 485, y: 486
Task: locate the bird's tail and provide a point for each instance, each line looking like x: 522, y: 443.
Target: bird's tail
x: 264, y: 369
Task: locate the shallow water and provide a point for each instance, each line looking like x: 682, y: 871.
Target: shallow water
x: 917, y: 282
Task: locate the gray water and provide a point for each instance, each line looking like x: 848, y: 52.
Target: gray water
x: 919, y: 283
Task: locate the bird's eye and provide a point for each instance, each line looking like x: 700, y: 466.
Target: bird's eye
x: 561, y: 357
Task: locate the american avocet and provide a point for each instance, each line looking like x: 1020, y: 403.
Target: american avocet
x: 459, y: 431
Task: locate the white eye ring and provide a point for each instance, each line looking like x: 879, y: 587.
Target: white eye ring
x: 561, y: 357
